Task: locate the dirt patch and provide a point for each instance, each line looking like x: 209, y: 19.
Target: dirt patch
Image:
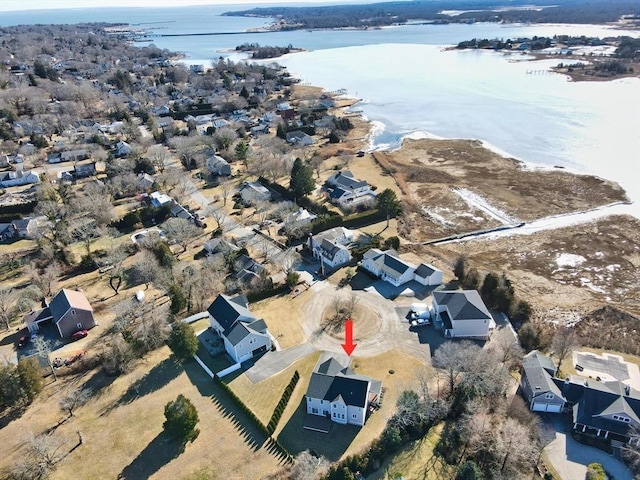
x: 365, y: 323
x: 565, y: 272
x: 427, y: 170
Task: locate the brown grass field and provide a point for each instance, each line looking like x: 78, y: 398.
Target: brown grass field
x: 282, y: 315
x: 122, y: 427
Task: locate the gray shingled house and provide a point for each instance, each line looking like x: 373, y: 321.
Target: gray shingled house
x: 70, y: 312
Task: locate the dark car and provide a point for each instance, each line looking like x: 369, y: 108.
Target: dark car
x: 23, y: 340
x: 79, y: 334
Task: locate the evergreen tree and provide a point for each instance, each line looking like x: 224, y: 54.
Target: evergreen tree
x: 281, y: 131
x: 183, y: 341
x: 181, y: 419
x: 388, y: 204
x: 301, y: 182
x: 30, y: 379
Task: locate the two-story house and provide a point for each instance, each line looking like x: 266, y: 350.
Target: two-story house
x: 330, y: 246
x: 346, y: 190
x: 254, y: 192
x: 244, y: 335
x: 462, y: 313
x: 337, y: 393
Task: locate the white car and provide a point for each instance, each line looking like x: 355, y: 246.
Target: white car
x: 420, y: 322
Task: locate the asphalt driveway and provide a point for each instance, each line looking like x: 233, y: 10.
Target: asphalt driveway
x: 571, y: 458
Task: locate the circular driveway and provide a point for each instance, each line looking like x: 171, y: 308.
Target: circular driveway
x: 393, y: 333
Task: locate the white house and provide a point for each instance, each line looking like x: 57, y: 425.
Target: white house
x: 123, y: 149
x: 218, y: 165
x: 254, y: 192
x: 244, y: 335
x: 346, y: 190
x: 158, y: 199
x: 391, y: 268
x: 301, y: 217
x: 330, y: 246
x: 298, y: 137
x: 19, y: 177
x: 462, y: 313
x: 337, y: 393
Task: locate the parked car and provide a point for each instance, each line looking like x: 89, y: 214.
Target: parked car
x: 22, y: 341
x: 420, y: 322
x: 79, y: 334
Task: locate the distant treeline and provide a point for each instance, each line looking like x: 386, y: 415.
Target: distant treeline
x: 534, y: 43
x: 389, y: 13
x: 259, y: 52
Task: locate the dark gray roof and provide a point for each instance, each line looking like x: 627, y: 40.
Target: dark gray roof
x: 347, y: 181
x: 22, y: 223
x: 338, y: 192
x: 424, y: 270
x: 596, y: 401
x: 446, y: 319
x: 329, y: 248
x: 394, y: 264
x: 236, y: 333
x: 331, y: 381
x: 226, y: 310
x: 463, y: 305
x: 258, y: 326
x: 36, y: 316
x: 538, y: 377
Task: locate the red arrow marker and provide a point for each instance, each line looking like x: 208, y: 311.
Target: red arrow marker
x: 348, y: 344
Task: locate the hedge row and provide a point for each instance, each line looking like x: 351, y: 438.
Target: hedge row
x: 272, y: 441
x: 269, y: 292
x: 357, y: 220
x: 14, y: 211
x: 282, y: 404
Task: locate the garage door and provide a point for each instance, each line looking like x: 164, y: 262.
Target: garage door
x: 546, y: 407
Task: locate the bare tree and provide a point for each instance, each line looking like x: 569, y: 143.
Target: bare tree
x: 508, y: 349
x: 287, y: 259
x: 147, y: 269
x: 515, y: 447
x: 308, y: 467
x: 225, y: 189
x: 564, y: 341
x: 117, y: 356
x: 159, y: 157
x: 181, y: 231
x: 73, y: 398
x: 44, y: 279
x: 351, y: 304
x: 43, y: 453
x: 453, y: 357
x: 11, y: 304
x: 218, y: 215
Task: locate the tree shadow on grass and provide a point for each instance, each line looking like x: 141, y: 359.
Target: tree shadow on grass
x: 99, y: 383
x: 155, y: 379
x: 331, y: 445
x: 160, y: 451
x: 225, y: 406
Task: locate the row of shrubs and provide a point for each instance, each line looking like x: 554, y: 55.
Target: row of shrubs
x: 267, y: 293
x: 252, y: 416
x: 282, y: 404
x: 356, y: 220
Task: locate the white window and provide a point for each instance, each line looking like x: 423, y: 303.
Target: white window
x: 309, y: 399
x: 79, y: 325
x: 253, y: 340
x: 354, y: 416
x: 73, y: 312
x: 548, y: 396
x: 622, y: 419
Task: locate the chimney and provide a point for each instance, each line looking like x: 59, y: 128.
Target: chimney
x: 627, y: 390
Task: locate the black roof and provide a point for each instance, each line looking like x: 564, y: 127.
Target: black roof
x: 463, y: 305
x: 331, y: 380
x: 540, y: 380
x: 424, y: 270
x: 226, y: 310
x: 394, y: 263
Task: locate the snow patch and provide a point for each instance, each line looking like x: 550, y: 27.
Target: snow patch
x: 613, y: 268
x: 477, y: 201
x: 570, y: 260
x: 587, y: 283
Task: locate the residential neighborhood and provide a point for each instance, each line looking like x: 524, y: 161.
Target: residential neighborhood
x: 221, y: 242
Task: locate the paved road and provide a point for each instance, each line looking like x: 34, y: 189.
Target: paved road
x: 571, y: 458
x: 274, y: 362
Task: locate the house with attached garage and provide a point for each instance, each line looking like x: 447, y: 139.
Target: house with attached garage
x: 245, y: 335
x: 461, y: 313
x: 391, y: 268
x: 17, y: 178
x: 346, y: 190
x: 538, y: 387
x: 609, y: 410
x: 330, y: 246
x: 339, y: 394
x: 69, y: 311
x: 218, y: 166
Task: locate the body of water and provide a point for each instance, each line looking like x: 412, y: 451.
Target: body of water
x: 411, y: 86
